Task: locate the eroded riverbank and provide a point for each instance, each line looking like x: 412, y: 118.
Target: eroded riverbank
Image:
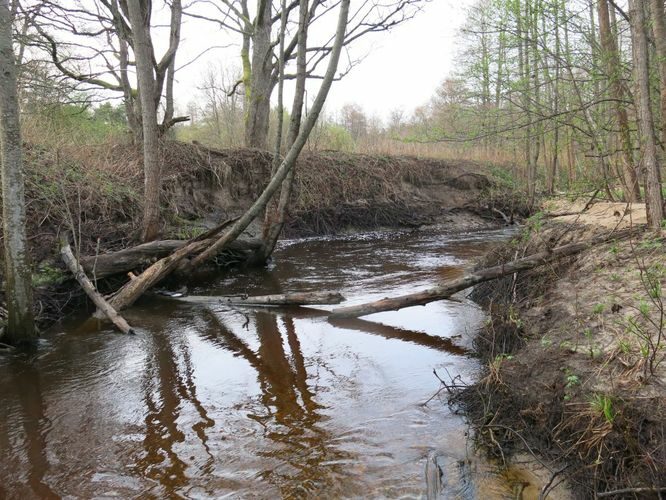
x: 207, y: 402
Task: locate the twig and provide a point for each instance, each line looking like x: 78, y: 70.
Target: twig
x: 646, y: 489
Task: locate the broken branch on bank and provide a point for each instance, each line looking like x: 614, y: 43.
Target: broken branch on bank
x: 77, y: 270
x: 445, y: 290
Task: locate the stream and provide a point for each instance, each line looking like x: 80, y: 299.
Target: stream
x: 208, y: 401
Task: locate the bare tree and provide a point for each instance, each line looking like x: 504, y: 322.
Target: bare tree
x: 613, y: 66
x: 91, y: 44
x: 18, y: 287
x: 645, y: 119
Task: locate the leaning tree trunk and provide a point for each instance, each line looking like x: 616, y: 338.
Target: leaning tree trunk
x: 653, y: 197
x: 140, y: 21
x: 261, y: 81
x: 18, y: 290
x: 162, y: 268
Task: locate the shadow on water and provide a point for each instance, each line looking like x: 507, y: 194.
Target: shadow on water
x: 31, y: 426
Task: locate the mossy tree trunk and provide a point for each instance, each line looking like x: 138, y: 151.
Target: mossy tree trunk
x: 18, y: 287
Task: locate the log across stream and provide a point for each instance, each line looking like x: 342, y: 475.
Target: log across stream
x: 211, y: 399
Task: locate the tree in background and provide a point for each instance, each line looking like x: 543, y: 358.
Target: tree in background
x: 260, y: 37
x: 18, y: 287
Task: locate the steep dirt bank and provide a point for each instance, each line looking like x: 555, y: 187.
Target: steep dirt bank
x: 575, y: 355
x: 99, y: 189
x: 96, y: 192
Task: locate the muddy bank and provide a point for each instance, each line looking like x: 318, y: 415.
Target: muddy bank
x: 95, y: 192
x: 575, y: 362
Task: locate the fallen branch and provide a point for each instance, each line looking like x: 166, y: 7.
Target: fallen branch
x: 633, y: 491
x: 287, y: 299
x: 76, y: 269
x: 445, y: 290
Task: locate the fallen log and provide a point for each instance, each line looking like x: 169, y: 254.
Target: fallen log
x: 286, y: 299
x: 130, y: 293
x: 108, y: 264
x: 445, y: 290
x: 76, y: 269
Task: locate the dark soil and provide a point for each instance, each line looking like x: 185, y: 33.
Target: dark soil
x: 566, y: 378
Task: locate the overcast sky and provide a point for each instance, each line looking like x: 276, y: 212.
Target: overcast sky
x: 401, y: 69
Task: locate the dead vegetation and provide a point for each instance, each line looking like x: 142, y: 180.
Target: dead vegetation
x: 576, y: 362
x: 95, y: 192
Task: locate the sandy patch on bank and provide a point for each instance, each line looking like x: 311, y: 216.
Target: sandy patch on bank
x: 602, y: 214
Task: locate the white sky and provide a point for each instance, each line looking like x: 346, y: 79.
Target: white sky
x: 401, y: 68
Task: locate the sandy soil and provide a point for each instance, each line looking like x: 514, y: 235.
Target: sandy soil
x: 604, y: 214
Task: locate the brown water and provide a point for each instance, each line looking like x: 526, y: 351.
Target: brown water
x: 209, y: 402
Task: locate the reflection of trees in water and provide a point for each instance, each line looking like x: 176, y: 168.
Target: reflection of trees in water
x: 304, y: 450
x: 27, y: 385
x: 168, y: 387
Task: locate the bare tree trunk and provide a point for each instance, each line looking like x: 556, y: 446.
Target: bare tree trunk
x: 283, y: 299
x: 446, y: 290
x: 659, y: 31
x: 613, y: 66
x: 275, y: 219
x: 134, y: 289
x: 75, y: 267
x: 140, y: 20
x: 18, y: 286
x: 261, y: 81
x: 653, y: 197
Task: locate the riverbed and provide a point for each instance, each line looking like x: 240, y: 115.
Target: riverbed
x: 208, y: 401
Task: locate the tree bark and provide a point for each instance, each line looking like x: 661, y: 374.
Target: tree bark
x: 129, y: 259
x: 76, y: 269
x: 18, y: 286
x: 276, y: 217
x: 446, y: 290
x: 139, y: 16
x: 611, y: 60
x: 653, y: 198
x: 129, y: 293
x: 261, y: 81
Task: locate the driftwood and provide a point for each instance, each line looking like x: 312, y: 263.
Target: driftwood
x: 102, y: 266
x: 287, y: 299
x: 76, y: 269
x: 445, y: 290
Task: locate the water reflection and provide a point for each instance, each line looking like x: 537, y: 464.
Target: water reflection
x: 168, y: 386
x: 208, y: 402
x: 303, y: 451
